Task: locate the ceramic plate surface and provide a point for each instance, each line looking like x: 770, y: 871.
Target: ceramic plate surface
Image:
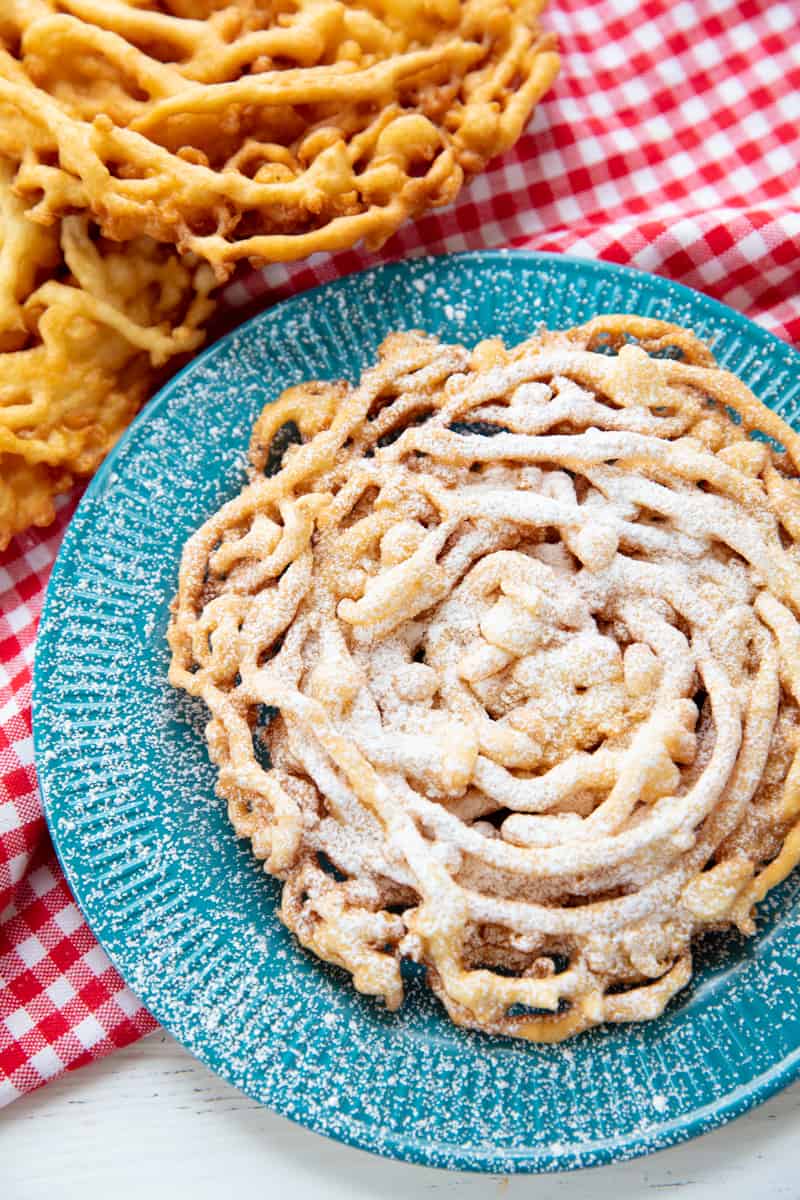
x: 182, y: 907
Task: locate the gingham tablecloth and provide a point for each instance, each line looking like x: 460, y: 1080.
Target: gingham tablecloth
x: 671, y: 142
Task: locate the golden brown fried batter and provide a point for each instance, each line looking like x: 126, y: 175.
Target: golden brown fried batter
x: 27, y: 492
x: 85, y: 324
x: 262, y: 130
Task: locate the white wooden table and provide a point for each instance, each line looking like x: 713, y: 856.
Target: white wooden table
x: 152, y: 1122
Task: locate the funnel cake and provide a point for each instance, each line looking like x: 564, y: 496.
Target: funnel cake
x: 85, y: 326
x: 502, y: 656
x: 263, y: 129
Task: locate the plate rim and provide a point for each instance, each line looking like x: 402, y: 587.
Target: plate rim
x: 553, y: 1157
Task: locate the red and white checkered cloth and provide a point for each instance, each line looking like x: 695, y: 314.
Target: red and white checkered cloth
x: 670, y: 142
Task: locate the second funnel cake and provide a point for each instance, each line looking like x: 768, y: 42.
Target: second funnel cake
x: 260, y: 129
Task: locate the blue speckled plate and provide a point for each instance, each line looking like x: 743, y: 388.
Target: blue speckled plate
x: 185, y: 911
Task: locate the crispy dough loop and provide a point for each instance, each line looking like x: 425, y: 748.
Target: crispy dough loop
x: 533, y: 668
x: 264, y: 131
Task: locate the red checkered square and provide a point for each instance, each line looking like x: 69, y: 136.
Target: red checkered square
x: 670, y: 142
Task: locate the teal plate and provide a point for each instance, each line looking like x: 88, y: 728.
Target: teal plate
x: 185, y: 911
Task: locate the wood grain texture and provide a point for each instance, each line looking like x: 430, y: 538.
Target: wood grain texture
x: 151, y: 1121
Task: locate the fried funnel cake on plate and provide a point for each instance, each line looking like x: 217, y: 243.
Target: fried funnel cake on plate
x: 263, y: 129
x: 503, y: 667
